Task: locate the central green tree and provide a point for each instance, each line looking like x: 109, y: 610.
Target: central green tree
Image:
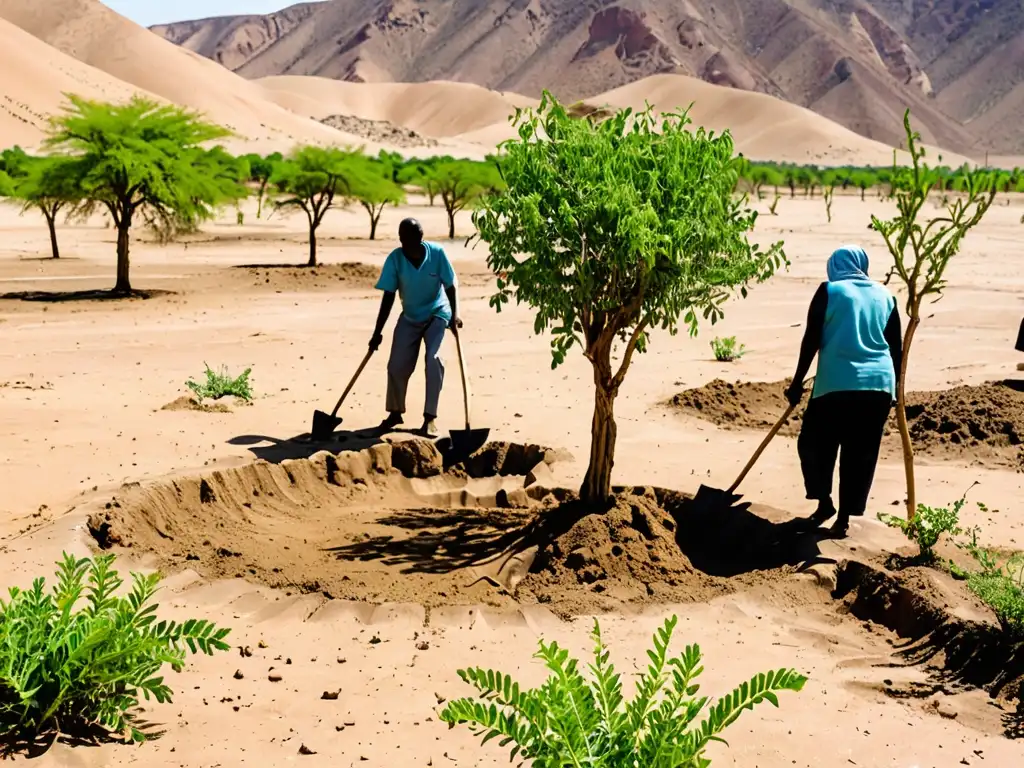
x: 142, y: 160
x: 611, y: 229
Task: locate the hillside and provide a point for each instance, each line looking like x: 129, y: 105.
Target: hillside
x: 958, y: 64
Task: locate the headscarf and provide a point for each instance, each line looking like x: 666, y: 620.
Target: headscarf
x: 848, y: 262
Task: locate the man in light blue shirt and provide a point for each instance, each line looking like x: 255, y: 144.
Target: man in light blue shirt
x: 421, y: 274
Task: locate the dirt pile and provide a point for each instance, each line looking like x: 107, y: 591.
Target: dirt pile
x: 391, y: 523
x: 296, y: 276
x: 981, y: 424
x: 380, y: 131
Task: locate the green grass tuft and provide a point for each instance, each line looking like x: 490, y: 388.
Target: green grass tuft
x: 220, y: 384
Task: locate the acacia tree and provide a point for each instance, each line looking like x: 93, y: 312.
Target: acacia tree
x: 138, y: 160
x: 461, y: 183
x: 921, y: 251
x: 313, y: 179
x: 374, y: 189
x: 261, y: 170
x: 48, y: 185
x: 418, y: 174
x: 609, y: 230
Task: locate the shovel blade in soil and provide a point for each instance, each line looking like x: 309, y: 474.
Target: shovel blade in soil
x: 466, y: 442
x: 323, y: 425
x: 709, y: 501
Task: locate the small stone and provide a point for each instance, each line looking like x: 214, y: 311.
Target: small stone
x: 374, y: 640
x: 440, y: 699
x: 275, y: 677
x: 945, y: 709
x: 238, y: 674
x: 342, y: 659
x: 262, y: 644
x: 330, y: 695
x: 422, y: 645
x: 245, y: 652
x: 304, y: 750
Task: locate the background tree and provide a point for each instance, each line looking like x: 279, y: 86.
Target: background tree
x: 138, y: 160
x: 47, y: 184
x: 261, y: 169
x: 373, y: 187
x: 461, y: 183
x: 921, y: 251
x: 418, y: 174
x: 313, y: 179
x: 608, y: 230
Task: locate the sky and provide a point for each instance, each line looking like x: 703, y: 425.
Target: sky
x: 149, y: 12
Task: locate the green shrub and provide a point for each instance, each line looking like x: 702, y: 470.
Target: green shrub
x: 928, y: 525
x: 727, y: 350
x: 77, y: 656
x: 573, y: 721
x: 220, y: 384
x: 998, y: 585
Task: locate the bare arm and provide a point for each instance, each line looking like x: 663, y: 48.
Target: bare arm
x: 894, y: 338
x: 453, y: 300
x: 387, y: 301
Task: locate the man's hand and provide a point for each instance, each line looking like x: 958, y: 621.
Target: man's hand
x: 455, y: 323
x: 375, y: 341
x: 795, y: 392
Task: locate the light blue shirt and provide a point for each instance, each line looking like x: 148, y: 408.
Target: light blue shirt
x: 854, y: 354
x: 420, y: 289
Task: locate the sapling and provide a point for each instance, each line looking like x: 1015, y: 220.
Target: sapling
x: 220, y: 384
x: 609, y: 230
x: 921, y: 251
x: 727, y: 349
x: 774, y: 205
x: 827, y: 194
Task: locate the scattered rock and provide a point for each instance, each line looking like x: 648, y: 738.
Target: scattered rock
x: 304, y: 750
x: 422, y: 645
x: 238, y: 674
x: 330, y: 695
x: 275, y: 677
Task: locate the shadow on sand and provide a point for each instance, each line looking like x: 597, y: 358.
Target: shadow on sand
x: 57, y: 297
x: 733, y: 541
x: 276, y: 449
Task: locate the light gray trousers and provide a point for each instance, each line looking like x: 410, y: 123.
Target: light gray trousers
x: 405, y: 347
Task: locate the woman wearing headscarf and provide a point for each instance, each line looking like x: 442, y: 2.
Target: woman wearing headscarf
x: 853, y: 326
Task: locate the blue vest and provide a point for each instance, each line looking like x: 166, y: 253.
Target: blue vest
x: 854, y: 354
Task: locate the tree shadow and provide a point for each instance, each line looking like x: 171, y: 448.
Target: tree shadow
x: 1013, y: 722
x: 276, y: 449
x: 58, y: 297
x: 443, y: 541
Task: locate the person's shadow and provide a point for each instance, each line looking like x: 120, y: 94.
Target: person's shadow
x: 276, y: 449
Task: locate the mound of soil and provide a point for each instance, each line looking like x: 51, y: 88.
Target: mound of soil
x: 189, y: 403
x: 295, y: 276
x: 392, y: 524
x: 981, y: 424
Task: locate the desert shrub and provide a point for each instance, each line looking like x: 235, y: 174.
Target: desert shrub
x: 927, y: 526
x: 220, y: 384
x: 727, y: 349
x: 77, y: 656
x: 1002, y: 589
x: 575, y: 721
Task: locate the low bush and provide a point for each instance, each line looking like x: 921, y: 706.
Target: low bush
x: 77, y: 656
x: 727, y: 350
x: 928, y: 525
x: 220, y: 384
x: 574, y: 721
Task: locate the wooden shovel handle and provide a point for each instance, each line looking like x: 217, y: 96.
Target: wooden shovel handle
x: 352, y: 383
x: 764, y: 443
x: 462, y: 371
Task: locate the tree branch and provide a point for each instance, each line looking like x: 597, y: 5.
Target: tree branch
x: 627, y: 356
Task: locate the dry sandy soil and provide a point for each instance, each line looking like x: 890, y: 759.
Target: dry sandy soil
x: 357, y: 570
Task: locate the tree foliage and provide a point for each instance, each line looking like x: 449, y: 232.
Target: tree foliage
x: 47, y: 184
x: 922, y: 247
x: 261, y: 170
x: 142, y: 160
x: 609, y: 230
x: 374, y: 188
x: 461, y: 184
x: 313, y: 180
x: 77, y: 655
x: 573, y: 720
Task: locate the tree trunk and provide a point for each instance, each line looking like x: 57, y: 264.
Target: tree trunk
x: 51, y: 223
x: 597, y: 484
x: 901, y: 418
x: 123, y: 284
x: 862, y: 191
x: 373, y: 225
x: 312, y: 247
x: 451, y: 224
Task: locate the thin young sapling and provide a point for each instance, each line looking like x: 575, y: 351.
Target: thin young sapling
x: 921, y: 249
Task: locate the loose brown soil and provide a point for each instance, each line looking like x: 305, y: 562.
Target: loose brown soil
x: 392, y: 524
x: 977, y: 424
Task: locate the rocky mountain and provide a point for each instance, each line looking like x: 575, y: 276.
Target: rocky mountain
x: 958, y: 64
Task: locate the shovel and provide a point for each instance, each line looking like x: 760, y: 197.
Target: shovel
x: 324, y: 424
x: 465, y: 442
x: 711, y: 500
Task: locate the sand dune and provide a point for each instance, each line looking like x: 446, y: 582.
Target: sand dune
x: 35, y: 77
x: 436, y: 109
x: 97, y: 36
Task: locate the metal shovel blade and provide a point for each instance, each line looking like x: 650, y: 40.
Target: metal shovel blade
x: 323, y: 425
x: 466, y: 442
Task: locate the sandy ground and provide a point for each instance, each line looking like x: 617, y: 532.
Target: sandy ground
x: 82, y: 385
